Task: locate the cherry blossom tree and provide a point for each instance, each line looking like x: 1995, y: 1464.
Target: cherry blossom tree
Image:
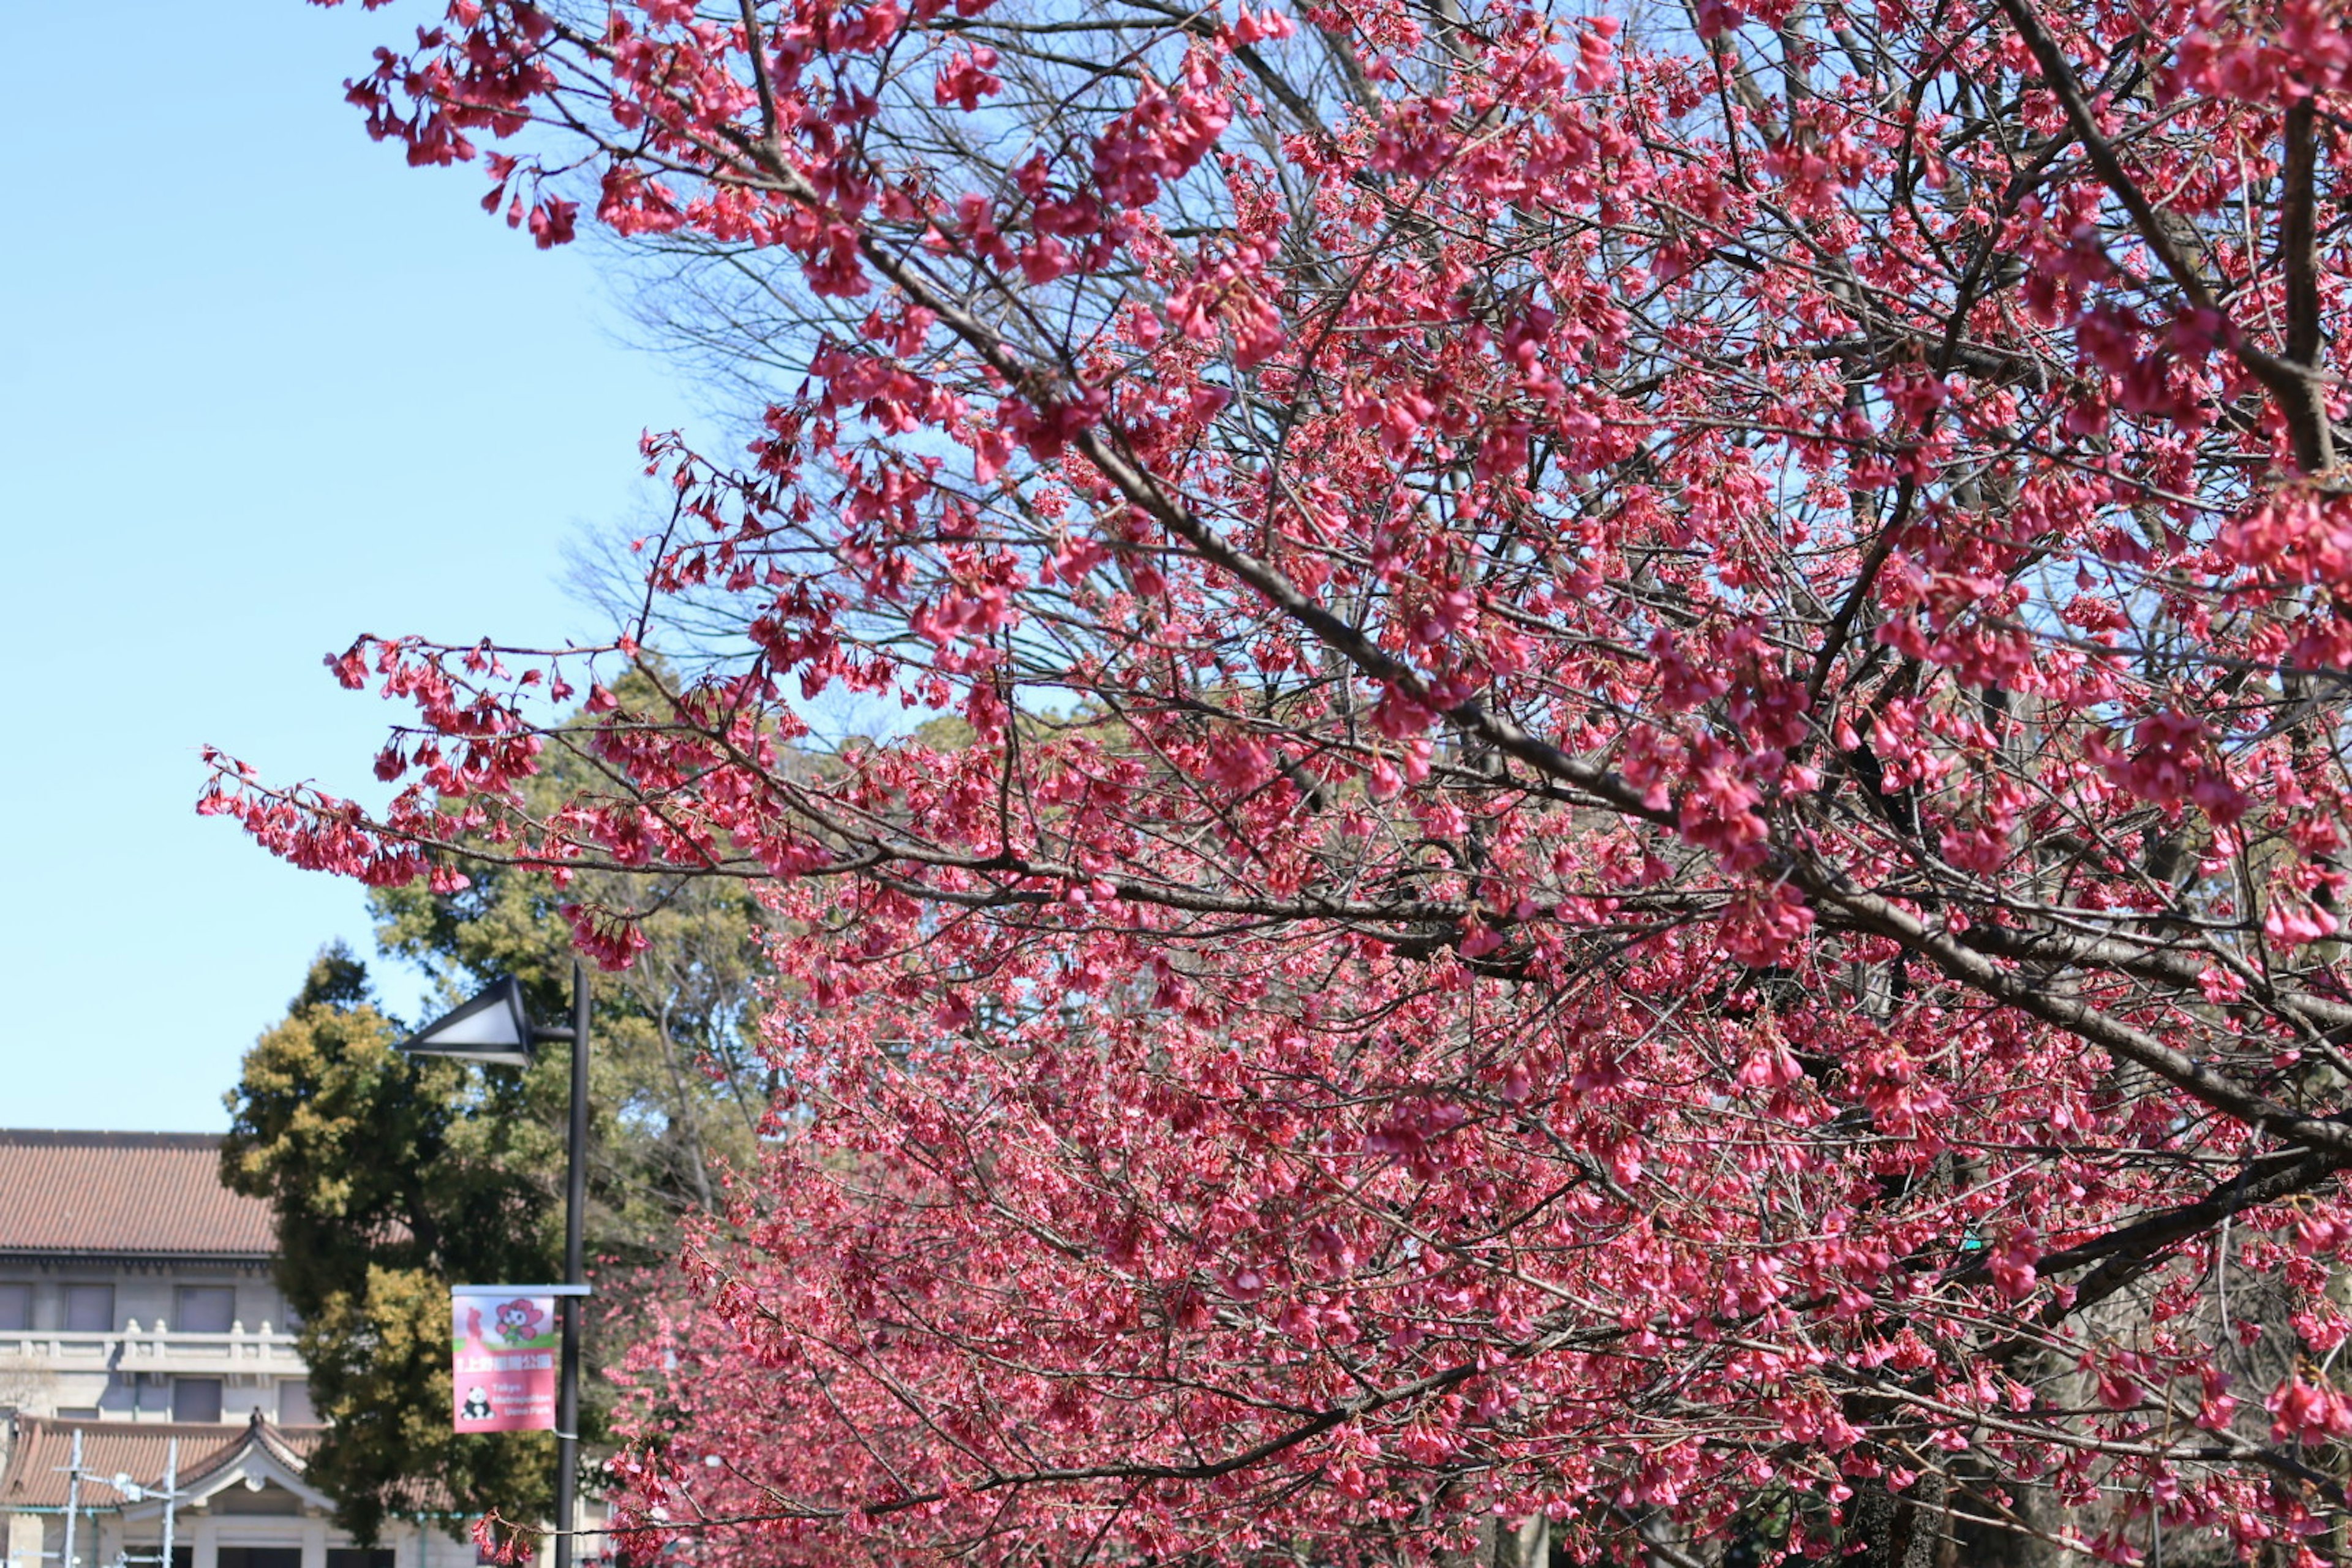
x: 1622, y: 806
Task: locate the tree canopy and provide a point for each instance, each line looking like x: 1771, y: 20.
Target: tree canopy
x: 1648, y: 827
x: 393, y: 1179
x: 681, y: 1094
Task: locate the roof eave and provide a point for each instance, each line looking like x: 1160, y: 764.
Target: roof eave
x: 127, y: 1255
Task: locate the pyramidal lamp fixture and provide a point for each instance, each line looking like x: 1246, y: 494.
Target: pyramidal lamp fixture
x: 494, y: 1027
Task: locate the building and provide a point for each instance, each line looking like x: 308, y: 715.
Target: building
x: 139, y: 1329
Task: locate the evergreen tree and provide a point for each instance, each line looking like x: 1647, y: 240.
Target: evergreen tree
x: 393, y: 1178
x: 390, y: 1178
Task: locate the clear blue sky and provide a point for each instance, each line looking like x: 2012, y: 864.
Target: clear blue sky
x: 262, y: 387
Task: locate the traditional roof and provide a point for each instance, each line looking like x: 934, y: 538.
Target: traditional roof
x: 288, y: 1446
x: 125, y: 1194
x: 138, y: 1450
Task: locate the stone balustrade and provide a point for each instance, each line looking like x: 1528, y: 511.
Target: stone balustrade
x: 156, y: 1349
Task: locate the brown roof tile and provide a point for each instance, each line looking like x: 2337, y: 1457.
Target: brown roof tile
x: 36, y: 1477
x: 141, y: 1195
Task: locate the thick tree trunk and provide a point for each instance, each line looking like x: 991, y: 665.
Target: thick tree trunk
x: 1897, y: 1529
x: 1525, y: 1545
x: 1529, y: 1546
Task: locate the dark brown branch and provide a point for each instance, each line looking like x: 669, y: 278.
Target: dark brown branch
x: 2295, y: 390
x: 2299, y: 252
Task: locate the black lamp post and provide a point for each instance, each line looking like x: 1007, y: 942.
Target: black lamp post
x: 495, y: 1026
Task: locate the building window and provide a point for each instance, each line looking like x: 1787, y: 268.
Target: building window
x: 204, y: 1309
x: 359, y: 1557
x: 260, y: 1557
x: 294, y: 1406
x: 89, y: 1308
x: 16, y: 1307
x: 197, y: 1399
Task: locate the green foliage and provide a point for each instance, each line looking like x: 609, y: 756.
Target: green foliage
x: 394, y: 1179
x: 390, y: 1179
x: 678, y: 1096
x: 675, y: 1099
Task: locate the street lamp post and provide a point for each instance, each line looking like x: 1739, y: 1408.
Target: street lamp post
x: 495, y: 1026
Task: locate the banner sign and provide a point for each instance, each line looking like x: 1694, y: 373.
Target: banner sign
x: 504, y: 1341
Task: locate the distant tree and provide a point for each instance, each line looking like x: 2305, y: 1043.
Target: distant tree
x: 393, y: 1179
x: 679, y: 1094
x: 390, y: 1178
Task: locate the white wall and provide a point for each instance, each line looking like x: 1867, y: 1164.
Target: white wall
x: 147, y: 1295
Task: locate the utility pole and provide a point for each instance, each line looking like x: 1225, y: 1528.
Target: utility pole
x: 171, y: 1494
x: 133, y: 1492
x: 73, y: 1496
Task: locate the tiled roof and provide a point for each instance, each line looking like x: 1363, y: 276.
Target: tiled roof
x: 292, y: 1444
x: 141, y: 1195
x: 36, y: 1477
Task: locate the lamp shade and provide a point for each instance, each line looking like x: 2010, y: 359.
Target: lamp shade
x: 492, y: 1027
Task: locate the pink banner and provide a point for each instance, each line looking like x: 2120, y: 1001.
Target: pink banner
x: 503, y: 1369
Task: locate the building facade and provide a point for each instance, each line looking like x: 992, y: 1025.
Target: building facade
x: 142, y: 1338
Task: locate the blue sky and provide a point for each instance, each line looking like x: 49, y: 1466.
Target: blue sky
x: 262, y: 387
